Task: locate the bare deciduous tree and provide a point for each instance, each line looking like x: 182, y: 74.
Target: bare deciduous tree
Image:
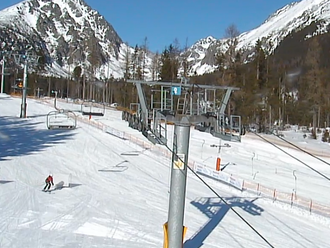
x: 127, y: 57
x: 144, y: 53
x: 155, y: 67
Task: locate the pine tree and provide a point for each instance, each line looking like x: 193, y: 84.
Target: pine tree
x: 135, y: 62
x: 77, y: 73
x: 144, y: 53
x: 226, y: 60
x: 170, y: 64
x: 127, y: 64
x: 155, y: 67
x: 313, y: 87
x: 166, y: 66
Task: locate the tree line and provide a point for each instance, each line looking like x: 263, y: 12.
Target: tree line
x: 286, y: 85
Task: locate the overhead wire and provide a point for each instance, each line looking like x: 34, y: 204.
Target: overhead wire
x: 308, y: 166
x: 323, y: 161
x: 210, y: 188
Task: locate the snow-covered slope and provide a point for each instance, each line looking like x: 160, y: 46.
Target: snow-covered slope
x: 119, y: 188
x: 290, y: 18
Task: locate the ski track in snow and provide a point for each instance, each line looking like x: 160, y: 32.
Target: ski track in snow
x: 127, y: 207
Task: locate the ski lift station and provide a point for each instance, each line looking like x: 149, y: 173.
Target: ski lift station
x: 170, y: 102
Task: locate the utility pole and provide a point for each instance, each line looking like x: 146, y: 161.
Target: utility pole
x: 3, y: 71
x: 279, y: 102
x: 103, y: 92
x: 49, y: 85
x: 23, y: 105
x: 55, y: 99
x: 176, y: 229
x: 84, y: 86
x: 68, y: 85
x: 107, y: 85
x: 27, y: 59
x: 270, y: 118
x: 3, y: 75
x: 90, y: 91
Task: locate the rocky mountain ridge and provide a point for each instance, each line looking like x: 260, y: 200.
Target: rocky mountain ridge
x: 69, y: 33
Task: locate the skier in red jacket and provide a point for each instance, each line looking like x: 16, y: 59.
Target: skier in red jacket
x: 49, y: 181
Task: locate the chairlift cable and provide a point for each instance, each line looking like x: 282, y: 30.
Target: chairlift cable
x: 220, y: 197
x: 303, y: 150
x: 321, y: 174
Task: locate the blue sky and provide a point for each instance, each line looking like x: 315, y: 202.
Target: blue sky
x: 185, y: 20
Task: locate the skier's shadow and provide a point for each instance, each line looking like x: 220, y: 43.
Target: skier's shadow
x: 61, y: 185
x: 73, y: 185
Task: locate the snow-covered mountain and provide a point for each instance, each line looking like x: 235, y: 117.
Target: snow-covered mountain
x: 69, y: 33
x: 287, y: 20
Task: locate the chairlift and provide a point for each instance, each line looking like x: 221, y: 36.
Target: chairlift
x: 228, y: 128
x: 92, y: 108
x: 61, y: 119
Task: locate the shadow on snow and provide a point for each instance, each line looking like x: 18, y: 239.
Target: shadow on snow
x: 4, y: 181
x: 19, y: 137
x: 60, y: 186
x: 216, y: 210
x: 117, y: 168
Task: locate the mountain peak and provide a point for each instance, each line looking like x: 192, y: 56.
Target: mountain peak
x: 70, y: 33
x: 66, y: 31
x: 204, y: 43
x: 286, y: 20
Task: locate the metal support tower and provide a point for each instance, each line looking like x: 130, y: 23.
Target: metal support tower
x: 166, y: 102
x: 3, y: 70
x: 178, y: 184
x: 26, y: 59
x: 191, y: 105
x: 3, y: 75
x: 225, y: 101
x: 143, y: 103
x: 23, y: 105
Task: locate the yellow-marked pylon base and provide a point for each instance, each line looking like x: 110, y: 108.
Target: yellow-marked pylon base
x: 165, y: 228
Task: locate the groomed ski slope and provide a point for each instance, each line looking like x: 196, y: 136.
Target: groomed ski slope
x: 121, y: 200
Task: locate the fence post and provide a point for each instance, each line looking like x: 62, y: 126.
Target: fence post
x: 258, y: 189
x: 274, y: 195
x: 310, y: 206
